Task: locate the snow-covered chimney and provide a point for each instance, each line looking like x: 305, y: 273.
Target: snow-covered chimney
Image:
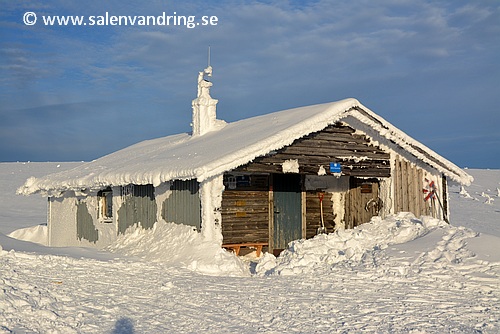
x: 204, y: 106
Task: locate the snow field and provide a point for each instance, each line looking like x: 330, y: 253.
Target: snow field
x: 401, y: 274
x: 433, y: 283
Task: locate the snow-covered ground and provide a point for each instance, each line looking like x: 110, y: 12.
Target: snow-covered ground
x: 400, y: 275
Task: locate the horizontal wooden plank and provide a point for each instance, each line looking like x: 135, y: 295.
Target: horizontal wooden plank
x: 255, y: 212
x: 244, y: 236
x: 303, y: 159
x: 234, y: 224
x: 237, y: 194
x: 244, y: 202
x: 305, y: 169
x: 237, y: 221
x: 330, y: 152
x: 230, y: 239
x: 260, y: 168
x: 244, y: 232
x: 332, y: 144
x: 250, y: 204
x: 330, y: 137
x: 372, y: 172
x: 234, y: 219
x: 337, y: 128
x: 317, y: 157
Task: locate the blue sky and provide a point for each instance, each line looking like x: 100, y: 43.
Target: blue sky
x: 431, y: 68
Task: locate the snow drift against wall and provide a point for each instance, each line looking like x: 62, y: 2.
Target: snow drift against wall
x: 179, y: 246
x: 37, y: 234
x: 349, y: 246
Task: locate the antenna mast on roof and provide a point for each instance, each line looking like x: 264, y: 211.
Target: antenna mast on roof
x: 209, y: 56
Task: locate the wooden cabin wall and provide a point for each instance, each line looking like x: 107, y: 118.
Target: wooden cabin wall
x: 313, y: 213
x: 245, y: 213
x: 335, y: 189
x: 362, y: 201
x: 245, y: 209
x: 408, y: 189
x: 335, y: 143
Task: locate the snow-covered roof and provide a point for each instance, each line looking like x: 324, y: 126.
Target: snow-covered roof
x: 183, y: 156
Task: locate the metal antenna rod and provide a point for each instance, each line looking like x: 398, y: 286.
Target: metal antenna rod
x: 209, y: 55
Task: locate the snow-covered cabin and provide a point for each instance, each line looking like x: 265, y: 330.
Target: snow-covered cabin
x: 261, y: 181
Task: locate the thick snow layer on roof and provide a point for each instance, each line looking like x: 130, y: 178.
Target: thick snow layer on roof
x: 234, y: 144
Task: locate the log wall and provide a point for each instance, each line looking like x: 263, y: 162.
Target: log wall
x: 246, y: 201
x: 245, y: 211
x: 336, y: 143
x: 362, y: 202
x: 313, y: 213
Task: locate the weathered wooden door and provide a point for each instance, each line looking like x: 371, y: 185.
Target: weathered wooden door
x: 362, y: 201
x: 287, y: 209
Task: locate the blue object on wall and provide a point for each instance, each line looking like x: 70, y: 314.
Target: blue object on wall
x: 335, y: 167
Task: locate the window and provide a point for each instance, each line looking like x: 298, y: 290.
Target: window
x: 105, y: 201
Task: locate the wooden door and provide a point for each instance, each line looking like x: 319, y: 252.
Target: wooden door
x: 362, y: 201
x: 287, y: 192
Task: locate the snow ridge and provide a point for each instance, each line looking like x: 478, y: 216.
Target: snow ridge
x: 350, y: 246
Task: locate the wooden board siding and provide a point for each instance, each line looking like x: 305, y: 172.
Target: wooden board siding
x: 85, y: 228
x: 336, y: 143
x: 313, y: 215
x: 245, y: 210
x: 139, y: 206
x: 245, y: 216
x: 358, y: 205
x: 408, y: 189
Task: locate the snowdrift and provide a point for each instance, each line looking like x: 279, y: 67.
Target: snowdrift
x: 37, y: 234
x: 178, y: 245
x: 181, y: 246
x: 347, y: 246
